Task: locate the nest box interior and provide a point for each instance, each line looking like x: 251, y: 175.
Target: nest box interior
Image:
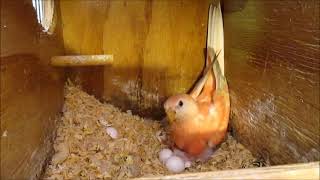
x: 133, y: 55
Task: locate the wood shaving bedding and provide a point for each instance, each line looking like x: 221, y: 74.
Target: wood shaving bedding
x: 84, y: 150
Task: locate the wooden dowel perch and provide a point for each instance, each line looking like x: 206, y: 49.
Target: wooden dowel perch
x: 292, y: 171
x: 82, y: 60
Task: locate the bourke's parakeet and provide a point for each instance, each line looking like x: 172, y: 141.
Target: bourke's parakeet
x: 198, y: 121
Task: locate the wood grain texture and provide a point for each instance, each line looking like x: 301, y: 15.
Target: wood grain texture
x: 157, y: 47
x: 31, y: 91
x: 292, y: 171
x: 272, y: 64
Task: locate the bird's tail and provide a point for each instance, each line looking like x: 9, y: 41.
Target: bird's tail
x: 215, y: 52
x: 215, y: 45
x: 215, y: 36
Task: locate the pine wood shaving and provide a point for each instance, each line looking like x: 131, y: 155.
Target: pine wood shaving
x: 85, y: 151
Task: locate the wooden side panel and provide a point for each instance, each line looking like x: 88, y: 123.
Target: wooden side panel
x: 31, y: 91
x: 272, y: 64
x: 157, y: 47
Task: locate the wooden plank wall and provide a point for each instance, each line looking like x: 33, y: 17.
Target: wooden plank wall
x: 158, y: 48
x: 31, y: 90
x: 272, y: 65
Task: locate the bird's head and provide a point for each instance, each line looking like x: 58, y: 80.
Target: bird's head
x: 180, y: 107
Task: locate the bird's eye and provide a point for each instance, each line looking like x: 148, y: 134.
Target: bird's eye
x: 180, y: 103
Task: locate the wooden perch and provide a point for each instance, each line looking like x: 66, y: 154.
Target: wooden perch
x: 293, y: 171
x: 82, y: 60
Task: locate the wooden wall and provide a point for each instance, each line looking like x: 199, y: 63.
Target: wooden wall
x: 31, y: 90
x: 157, y: 47
x: 272, y: 65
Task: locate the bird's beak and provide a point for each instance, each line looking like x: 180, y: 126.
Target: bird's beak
x: 171, y: 115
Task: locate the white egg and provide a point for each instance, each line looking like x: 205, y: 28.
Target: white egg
x: 112, y: 132
x: 164, y: 155
x: 175, y: 164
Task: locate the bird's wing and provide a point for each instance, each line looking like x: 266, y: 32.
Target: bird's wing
x: 203, y: 82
